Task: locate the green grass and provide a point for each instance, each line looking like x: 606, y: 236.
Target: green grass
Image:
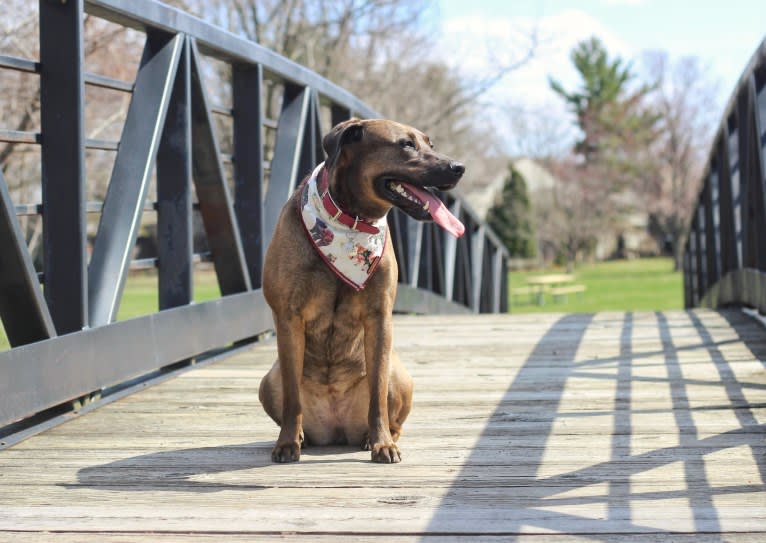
x: 622, y: 285
x: 646, y: 284
x: 140, y: 297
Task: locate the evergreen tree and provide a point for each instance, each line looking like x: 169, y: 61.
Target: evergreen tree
x: 511, y: 216
x: 612, y: 115
x: 618, y: 127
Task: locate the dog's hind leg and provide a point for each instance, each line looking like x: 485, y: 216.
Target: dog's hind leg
x: 270, y: 393
x: 270, y: 396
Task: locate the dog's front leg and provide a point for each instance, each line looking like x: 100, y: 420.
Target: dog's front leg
x: 377, y: 351
x: 291, y: 343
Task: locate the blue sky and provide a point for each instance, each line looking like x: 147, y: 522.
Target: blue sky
x: 477, y: 35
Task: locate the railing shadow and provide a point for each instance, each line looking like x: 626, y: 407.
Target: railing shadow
x: 526, y: 501
x: 522, y: 496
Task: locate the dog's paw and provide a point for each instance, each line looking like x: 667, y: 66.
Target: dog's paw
x: 286, y: 452
x: 386, y: 453
x: 366, y: 443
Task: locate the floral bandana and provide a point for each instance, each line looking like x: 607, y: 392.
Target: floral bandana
x: 351, y: 253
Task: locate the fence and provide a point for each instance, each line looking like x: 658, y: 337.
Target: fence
x: 66, y: 345
x: 725, y: 258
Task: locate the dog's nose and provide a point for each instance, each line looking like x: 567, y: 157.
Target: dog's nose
x: 457, y: 168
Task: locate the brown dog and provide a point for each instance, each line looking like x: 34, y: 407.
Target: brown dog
x: 337, y: 379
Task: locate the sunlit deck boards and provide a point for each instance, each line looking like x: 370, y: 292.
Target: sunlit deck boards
x: 556, y: 424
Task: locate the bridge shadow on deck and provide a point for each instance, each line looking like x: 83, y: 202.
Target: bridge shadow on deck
x: 525, y: 498
x: 526, y: 502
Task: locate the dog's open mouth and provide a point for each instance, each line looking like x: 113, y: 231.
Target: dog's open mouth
x: 421, y: 203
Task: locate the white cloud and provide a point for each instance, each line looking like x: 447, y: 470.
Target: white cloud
x: 624, y: 2
x: 477, y: 45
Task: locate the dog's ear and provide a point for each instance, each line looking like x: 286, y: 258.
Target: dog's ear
x: 343, y: 133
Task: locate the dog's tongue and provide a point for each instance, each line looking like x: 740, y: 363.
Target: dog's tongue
x: 439, y: 212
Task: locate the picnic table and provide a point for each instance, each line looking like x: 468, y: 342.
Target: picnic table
x: 557, y: 284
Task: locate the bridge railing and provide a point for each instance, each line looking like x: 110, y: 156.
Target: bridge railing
x: 66, y: 345
x: 725, y: 258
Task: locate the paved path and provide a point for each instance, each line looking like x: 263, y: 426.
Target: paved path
x: 610, y: 427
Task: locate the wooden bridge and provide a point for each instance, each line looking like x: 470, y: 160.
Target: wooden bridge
x: 605, y: 427
x: 590, y: 427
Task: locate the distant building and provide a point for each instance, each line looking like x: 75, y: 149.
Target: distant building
x: 629, y: 238
x: 536, y: 176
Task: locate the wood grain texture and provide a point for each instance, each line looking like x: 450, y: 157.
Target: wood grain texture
x: 607, y: 427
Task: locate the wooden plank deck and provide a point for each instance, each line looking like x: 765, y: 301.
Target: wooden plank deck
x: 611, y: 427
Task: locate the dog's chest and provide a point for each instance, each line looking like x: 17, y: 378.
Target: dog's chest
x: 334, y: 349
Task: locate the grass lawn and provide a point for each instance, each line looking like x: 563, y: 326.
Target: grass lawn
x: 645, y: 284
x: 622, y: 285
x: 140, y: 296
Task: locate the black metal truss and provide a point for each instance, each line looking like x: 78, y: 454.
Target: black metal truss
x: 65, y: 342
x: 725, y: 255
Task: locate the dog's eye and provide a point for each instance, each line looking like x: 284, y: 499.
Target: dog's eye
x: 407, y: 143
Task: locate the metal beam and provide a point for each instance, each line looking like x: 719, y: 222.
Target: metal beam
x: 423, y: 302
x: 414, y: 249
x: 426, y: 278
x: 338, y: 114
x: 736, y: 185
x: 759, y: 118
x: 312, y: 152
x: 462, y: 288
x: 63, y: 163
x: 23, y: 310
x: 247, y: 89
x: 504, y: 282
x: 288, y: 149
x: 753, y: 210
x: 132, y: 171
x: 450, y: 258
x: 396, y: 236
x: 49, y: 373
x: 20, y: 64
x: 699, y: 232
x: 174, y: 195
x: 215, y: 202
x: 742, y: 287
x: 696, y: 289
x: 728, y: 236
x: 147, y: 14
x: 497, y: 280
x: 477, y: 264
x: 436, y: 262
x: 706, y: 201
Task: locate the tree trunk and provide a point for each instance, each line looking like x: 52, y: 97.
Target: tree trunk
x: 679, y: 241
x: 571, y: 258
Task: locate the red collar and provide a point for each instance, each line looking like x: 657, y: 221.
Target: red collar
x: 353, y: 222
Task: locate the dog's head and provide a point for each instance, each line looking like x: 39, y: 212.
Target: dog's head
x: 378, y: 164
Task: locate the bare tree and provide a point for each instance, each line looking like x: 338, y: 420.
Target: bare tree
x: 535, y: 132
x: 573, y: 214
x: 685, y: 99
x: 20, y: 106
x: 379, y: 50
